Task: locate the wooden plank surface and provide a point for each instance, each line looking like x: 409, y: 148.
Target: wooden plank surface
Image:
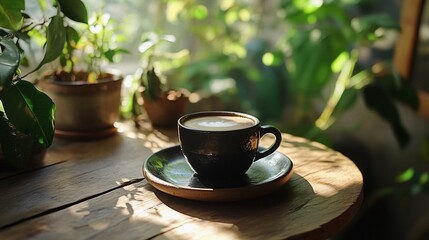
x: 84, y: 169
x: 322, y: 196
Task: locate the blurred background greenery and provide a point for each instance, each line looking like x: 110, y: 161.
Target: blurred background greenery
x: 321, y: 69
x: 296, y: 64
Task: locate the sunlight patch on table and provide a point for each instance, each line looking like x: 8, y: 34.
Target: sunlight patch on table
x: 159, y: 215
x: 330, y: 189
x: 80, y: 210
x: 122, y: 204
x: 151, y: 140
x: 123, y: 180
x: 99, y: 225
x: 211, y: 231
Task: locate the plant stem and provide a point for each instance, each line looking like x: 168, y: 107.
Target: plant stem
x: 325, y: 119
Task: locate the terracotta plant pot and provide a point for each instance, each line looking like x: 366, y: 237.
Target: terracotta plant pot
x: 85, y: 110
x: 165, y: 111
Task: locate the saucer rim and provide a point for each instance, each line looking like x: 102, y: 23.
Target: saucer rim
x: 218, y: 194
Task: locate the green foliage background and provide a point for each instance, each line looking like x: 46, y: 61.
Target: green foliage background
x: 292, y: 63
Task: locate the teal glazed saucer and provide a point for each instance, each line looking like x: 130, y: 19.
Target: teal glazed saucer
x: 168, y: 171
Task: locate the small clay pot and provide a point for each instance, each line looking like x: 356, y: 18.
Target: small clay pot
x: 166, y: 110
x: 84, y: 110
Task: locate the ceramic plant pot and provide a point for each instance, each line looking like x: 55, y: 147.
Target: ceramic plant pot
x: 166, y: 110
x: 85, y: 110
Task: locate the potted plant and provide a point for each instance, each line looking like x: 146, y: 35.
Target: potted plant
x: 88, y: 101
x: 26, y: 114
x: 162, y: 104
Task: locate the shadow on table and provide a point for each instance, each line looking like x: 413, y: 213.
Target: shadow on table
x: 252, y: 217
x: 64, y: 150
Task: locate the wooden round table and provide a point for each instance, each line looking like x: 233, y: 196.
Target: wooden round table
x: 96, y: 190
x: 323, y: 195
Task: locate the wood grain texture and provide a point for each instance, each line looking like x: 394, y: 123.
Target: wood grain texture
x: 323, y: 195
x: 84, y: 169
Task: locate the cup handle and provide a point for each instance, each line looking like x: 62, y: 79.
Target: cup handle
x: 278, y: 139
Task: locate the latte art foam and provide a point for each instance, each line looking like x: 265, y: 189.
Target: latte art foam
x: 219, y: 123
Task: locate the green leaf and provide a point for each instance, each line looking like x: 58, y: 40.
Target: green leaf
x: 30, y: 110
x: 200, y: 12
x: 153, y: 87
x: 377, y: 98
x: 366, y: 26
x: 407, y: 94
x: 24, y: 62
x: 63, y: 61
x: 339, y: 62
x: 72, y: 37
x: 347, y: 100
x: 55, y: 40
x: 111, y: 53
x: 75, y: 10
x: 313, y: 59
x: 406, y: 176
x: 373, y: 21
x: 401, y: 89
x: 424, y: 178
x: 10, y: 14
x: 9, y: 61
x: 16, y: 146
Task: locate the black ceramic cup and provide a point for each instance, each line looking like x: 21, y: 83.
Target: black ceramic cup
x: 222, y: 144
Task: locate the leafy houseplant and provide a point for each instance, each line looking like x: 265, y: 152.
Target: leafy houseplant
x: 26, y: 114
x: 87, y: 100
x: 69, y: 88
x: 162, y: 105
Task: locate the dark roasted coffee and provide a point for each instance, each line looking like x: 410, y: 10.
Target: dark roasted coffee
x: 219, y: 123
x: 220, y: 144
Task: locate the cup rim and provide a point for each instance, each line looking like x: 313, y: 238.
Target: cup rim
x: 216, y: 113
